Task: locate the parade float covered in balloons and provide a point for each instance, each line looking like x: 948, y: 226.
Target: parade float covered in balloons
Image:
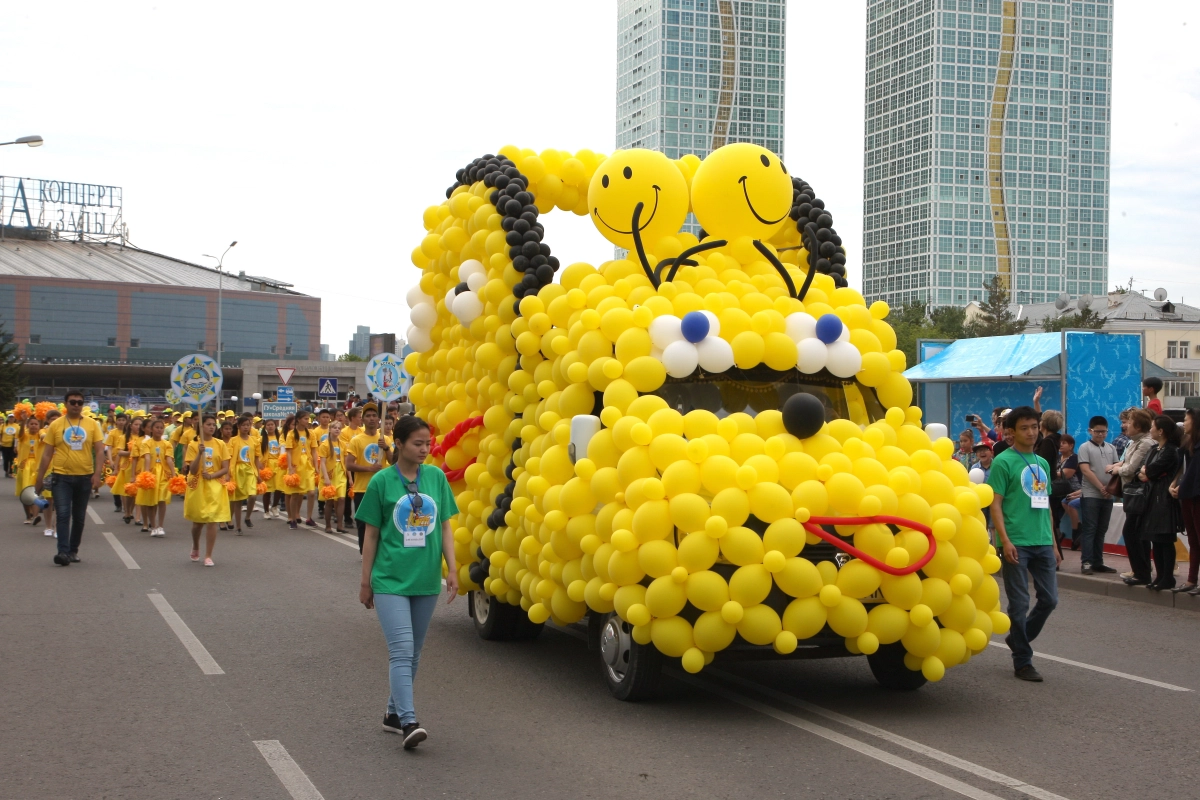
x: 704, y: 448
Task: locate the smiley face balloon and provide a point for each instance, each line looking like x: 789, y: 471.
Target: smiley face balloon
x: 630, y: 177
x: 742, y: 190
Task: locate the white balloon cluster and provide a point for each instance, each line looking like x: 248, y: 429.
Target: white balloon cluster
x: 423, y: 317
x: 464, y: 301
x: 681, y: 356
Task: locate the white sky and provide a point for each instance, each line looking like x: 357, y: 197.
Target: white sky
x: 316, y: 134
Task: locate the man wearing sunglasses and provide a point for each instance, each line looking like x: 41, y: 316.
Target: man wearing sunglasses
x: 74, y: 457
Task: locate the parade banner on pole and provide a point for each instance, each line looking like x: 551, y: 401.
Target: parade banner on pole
x: 197, y: 378
x: 384, y: 376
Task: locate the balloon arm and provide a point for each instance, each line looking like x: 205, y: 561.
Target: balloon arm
x: 684, y: 258
x: 810, y: 243
x: 779, y: 267
x: 814, y: 524
x: 637, y: 243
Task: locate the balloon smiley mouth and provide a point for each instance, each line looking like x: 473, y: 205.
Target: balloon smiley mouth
x: 641, y: 227
x: 757, y: 216
x: 813, y: 526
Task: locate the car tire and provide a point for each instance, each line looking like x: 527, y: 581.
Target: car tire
x: 500, y: 622
x: 887, y: 665
x: 631, y: 670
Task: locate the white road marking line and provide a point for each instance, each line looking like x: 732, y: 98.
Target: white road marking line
x: 865, y: 749
x: 122, y: 553
x: 207, y: 664
x: 1104, y: 670
x: 288, y: 771
x: 911, y: 767
x: 337, y: 539
x: 888, y: 736
x: 94, y: 516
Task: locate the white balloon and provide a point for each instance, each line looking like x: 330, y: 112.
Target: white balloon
x: 843, y: 360
x: 476, y: 281
x: 233, y: 398
x: 666, y: 329
x: 257, y: 395
x: 801, y: 326
x: 844, y: 336
x: 420, y: 340
x: 936, y: 430
x: 811, y: 355
x: 469, y: 268
x: 449, y: 298
x: 423, y: 316
x: 415, y: 296
x: 716, y: 354
x: 714, y: 324
x: 977, y: 475
x: 680, y: 359
x: 656, y: 353
x: 467, y: 306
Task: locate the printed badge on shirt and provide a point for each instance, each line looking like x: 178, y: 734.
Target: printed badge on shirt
x: 75, y: 437
x: 413, y: 524
x: 1036, y: 484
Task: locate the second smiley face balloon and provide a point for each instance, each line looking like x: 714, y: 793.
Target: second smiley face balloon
x: 742, y: 190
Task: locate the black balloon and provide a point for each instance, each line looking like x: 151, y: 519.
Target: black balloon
x: 803, y: 415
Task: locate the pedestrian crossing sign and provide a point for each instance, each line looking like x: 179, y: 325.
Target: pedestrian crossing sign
x: 327, y: 387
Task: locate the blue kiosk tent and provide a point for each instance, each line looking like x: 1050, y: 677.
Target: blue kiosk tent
x: 1082, y: 373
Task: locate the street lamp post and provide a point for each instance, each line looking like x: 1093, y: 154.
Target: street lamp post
x: 220, y: 286
x: 32, y: 141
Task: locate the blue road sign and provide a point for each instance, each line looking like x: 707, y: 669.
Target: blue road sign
x: 327, y: 387
x: 285, y: 394
x: 277, y: 411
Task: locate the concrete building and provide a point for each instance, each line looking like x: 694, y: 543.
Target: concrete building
x: 1171, y: 332
x: 260, y: 376
x: 112, y: 319
x: 694, y: 75
x: 986, y: 150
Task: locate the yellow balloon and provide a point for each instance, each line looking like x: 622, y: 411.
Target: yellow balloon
x: 741, y: 190
x: 632, y: 177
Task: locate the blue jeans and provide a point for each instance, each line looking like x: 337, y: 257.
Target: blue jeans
x: 405, y: 621
x: 71, y: 494
x: 1095, y: 513
x: 1039, y: 562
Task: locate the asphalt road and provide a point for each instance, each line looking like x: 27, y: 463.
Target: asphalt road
x: 101, y: 698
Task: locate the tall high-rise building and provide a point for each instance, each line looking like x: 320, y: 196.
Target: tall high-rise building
x: 987, y: 149
x: 360, y: 343
x: 693, y: 75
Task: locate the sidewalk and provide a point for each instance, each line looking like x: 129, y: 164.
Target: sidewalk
x: 1110, y: 584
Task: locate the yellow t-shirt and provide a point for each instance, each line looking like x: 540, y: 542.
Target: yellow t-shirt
x: 215, y: 452
x: 365, y: 449
x: 347, y: 435
x: 331, y: 451
x: 73, y: 443
x: 300, y: 448
x: 183, y: 435
x: 242, y: 451
x: 273, y: 447
x: 160, y: 452
x: 8, y: 434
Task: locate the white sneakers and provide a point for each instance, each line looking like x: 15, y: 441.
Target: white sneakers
x: 158, y: 533
x: 49, y: 532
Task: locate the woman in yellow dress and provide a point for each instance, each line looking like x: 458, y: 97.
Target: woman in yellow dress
x: 114, y: 442
x: 157, y: 458
x: 244, y: 465
x: 206, y: 502
x: 124, y: 469
x: 268, y: 456
x: 29, y: 455
x: 333, y: 473
x: 299, y: 448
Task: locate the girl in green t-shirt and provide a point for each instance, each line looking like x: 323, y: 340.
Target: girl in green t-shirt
x: 407, y: 509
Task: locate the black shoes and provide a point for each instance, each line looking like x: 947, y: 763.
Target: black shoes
x: 1028, y: 673
x: 62, y: 559
x: 1136, y: 582
x: 391, y: 724
x: 249, y: 524
x: 74, y: 558
x: 1102, y: 568
x: 414, y: 734
x: 1086, y: 569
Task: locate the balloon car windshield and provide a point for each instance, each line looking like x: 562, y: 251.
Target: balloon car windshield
x: 763, y: 389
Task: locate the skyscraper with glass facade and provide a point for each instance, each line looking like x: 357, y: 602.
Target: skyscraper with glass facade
x: 693, y: 75
x: 987, y: 149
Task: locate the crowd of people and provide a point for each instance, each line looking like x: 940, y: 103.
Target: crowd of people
x: 1148, y: 466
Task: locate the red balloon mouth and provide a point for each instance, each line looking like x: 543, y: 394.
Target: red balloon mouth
x: 814, y: 524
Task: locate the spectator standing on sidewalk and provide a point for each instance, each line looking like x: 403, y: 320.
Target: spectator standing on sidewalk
x: 1020, y: 479
x: 1122, y: 441
x: 1047, y: 447
x: 1162, y: 521
x: 74, y: 457
x: 983, y: 461
x: 1068, y: 472
x: 1187, y: 489
x: 1150, y: 388
x: 1096, y: 456
x: 1133, y: 494
x: 966, y: 450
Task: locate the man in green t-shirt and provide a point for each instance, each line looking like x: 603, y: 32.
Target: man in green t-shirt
x: 1021, y: 516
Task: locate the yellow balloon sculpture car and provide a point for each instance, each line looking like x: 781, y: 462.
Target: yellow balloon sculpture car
x: 706, y: 448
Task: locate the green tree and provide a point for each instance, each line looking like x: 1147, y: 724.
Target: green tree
x: 1076, y: 319
x: 350, y: 357
x: 995, y: 316
x: 11, y: 380
x: 915, y: 321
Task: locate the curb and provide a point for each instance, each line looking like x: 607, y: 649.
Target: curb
x: 1135, y: 594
